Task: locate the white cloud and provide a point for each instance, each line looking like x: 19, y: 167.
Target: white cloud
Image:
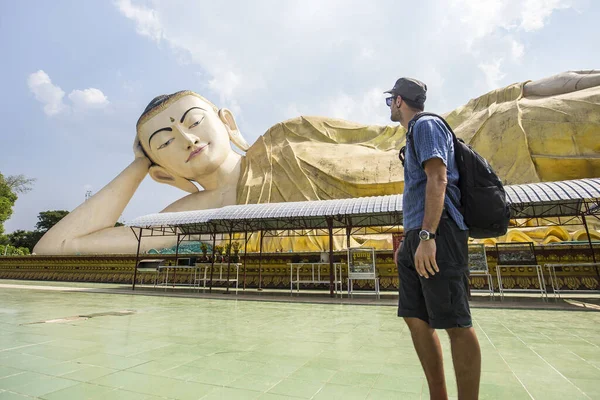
x: 483, y: 17
x: 489, y: 27
x: 534, y: 13
x: 88, y: 98
x: 50, y: 95
x: 493, y: 73
x: 317, y: 57
x: 517, y: 50
x: 146, y: 19
x: 368, y: 107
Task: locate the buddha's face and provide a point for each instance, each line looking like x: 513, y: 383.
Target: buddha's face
x: 188, y: 138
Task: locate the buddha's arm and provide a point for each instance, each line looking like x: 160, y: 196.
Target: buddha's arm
x: 564, y: 82
x: 99, y: 213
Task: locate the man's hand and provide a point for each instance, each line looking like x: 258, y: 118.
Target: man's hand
x: 397, y: 253
x: 425, y: 259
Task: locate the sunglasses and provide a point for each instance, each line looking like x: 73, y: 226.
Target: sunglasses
x: 390, y: 100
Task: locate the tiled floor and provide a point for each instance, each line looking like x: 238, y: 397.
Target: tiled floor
x: 186, y: 348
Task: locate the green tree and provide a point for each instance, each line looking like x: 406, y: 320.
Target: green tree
x: 26, y: 239
x: 7, y: 201
x: 8, y: 250
x: 19, y: 183
x: 47, y: 219
x: 10, y: 186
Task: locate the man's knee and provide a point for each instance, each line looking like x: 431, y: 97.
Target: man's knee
x: 460, y: 333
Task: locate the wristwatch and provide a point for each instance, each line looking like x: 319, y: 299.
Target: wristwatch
x: 426, y: 235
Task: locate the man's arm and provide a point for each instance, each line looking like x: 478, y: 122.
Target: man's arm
x: 432, y: 151
x: 435, y: 169
x: 435, y: 191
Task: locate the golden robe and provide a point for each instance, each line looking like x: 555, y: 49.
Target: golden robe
x: 525, y: 139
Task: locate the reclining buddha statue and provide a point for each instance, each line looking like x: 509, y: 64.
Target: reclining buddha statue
x: 533, y: 131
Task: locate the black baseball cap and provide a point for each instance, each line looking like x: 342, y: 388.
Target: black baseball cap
x: 410, y: 89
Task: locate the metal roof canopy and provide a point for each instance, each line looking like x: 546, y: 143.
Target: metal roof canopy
x: 539, y: 201
x: 574, y: 199
x: 306, y: 215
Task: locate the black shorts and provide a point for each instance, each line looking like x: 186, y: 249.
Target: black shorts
x: 442, y: 299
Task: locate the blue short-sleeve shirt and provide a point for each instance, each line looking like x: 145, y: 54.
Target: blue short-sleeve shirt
x: 431, y: 139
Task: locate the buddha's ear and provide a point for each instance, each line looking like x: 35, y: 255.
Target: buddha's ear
x: 161, y: 175
x: 234, y: 133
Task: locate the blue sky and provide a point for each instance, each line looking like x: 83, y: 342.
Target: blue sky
x: 76, y: 75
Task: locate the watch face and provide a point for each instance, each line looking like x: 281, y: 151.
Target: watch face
x: 423, y: 235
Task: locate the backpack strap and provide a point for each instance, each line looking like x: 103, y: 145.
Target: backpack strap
x: 429, y: 114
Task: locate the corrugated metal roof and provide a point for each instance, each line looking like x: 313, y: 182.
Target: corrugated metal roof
x: 538, y: 194
x: 554, y: 191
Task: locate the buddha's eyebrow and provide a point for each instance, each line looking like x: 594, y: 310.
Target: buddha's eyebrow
x: 185, y: 113
x: 160, y: 130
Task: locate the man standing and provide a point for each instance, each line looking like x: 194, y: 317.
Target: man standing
x: 432, y: 261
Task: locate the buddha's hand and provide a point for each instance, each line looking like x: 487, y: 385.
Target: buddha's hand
x: 139, y: 152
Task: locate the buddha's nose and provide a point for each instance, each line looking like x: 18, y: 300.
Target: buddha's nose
x: 191, y: 141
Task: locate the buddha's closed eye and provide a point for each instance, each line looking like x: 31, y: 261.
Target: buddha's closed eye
x: 168, y: 142
x: 195, y: 124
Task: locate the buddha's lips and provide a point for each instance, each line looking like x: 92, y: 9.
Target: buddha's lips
x: 193, y: 153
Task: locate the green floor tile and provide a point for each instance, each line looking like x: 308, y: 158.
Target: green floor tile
x: 271, y: 396
x: 88, y: 373
x: 13, y: 381
x: 118, y: 394
x: 589, y: 387
x: 6, y: 371
x: 189, y: 348
x: 110, y: 361
x: 354, y: 378
x: 259, y: 383
x: 313, y: 374
x: 211, y: 376
x: 550, y: 392
x: 377, y: 394
x: 79, y: 391
x: 157, y: 366
x: 28, y: 362
x: 340, y: 392
x: 58, y: 353
x: 327, y: 363
x: 400, y: 384
x: 276, y: 370
x: 231, y: 394
x: 499, y: 378
x: 45, y: 385
x: 13, y: 396
x: 297, y: 388
x: 493, y: 391
x: 399, y: 370
x: 154, y: 385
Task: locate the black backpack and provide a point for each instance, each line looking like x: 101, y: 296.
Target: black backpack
x: 485, y: 206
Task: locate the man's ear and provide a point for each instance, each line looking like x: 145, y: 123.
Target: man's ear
x: 161, y: 175
x: 234, y: 133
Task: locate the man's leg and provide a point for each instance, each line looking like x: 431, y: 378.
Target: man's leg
x: 429, y: 350
x: 412, y: 307
x: 466, y: 357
